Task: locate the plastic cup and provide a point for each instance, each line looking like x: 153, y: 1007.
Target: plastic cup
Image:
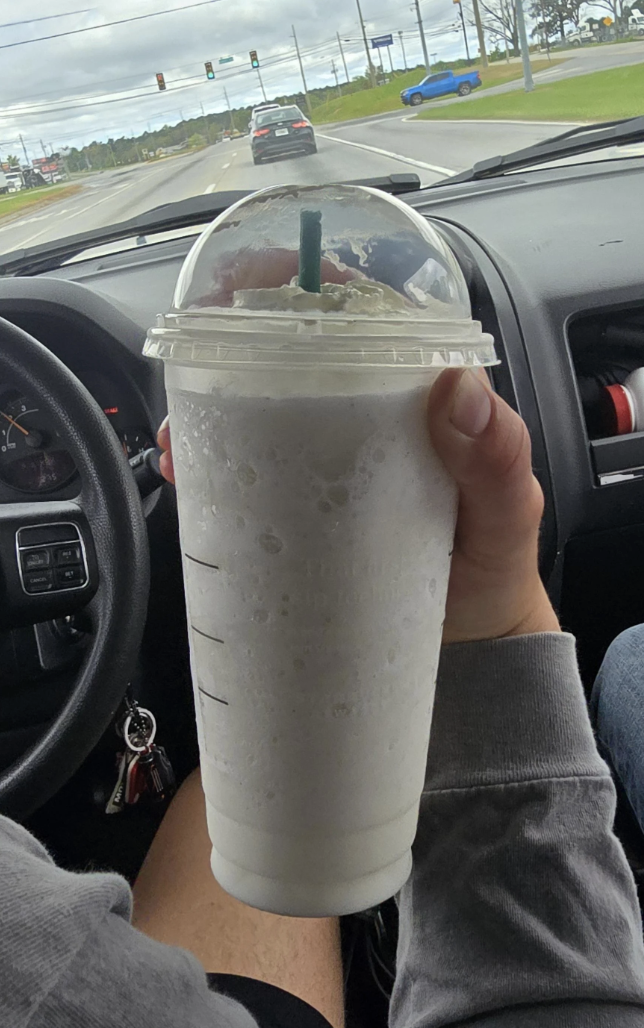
x: 316, y: 529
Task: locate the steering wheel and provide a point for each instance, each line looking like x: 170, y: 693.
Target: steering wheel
x: 93, y: 548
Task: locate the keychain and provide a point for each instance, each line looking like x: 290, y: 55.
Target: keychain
x: 143, y: 768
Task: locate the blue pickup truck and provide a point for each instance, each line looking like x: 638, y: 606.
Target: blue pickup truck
x: 440, y: 84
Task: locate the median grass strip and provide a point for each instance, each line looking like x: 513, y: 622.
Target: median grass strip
x: 600, y: 96
x: 14, y: 204
x: 387, y: 98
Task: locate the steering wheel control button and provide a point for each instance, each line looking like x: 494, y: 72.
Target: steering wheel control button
x: 33, y: 560
x: 38, y: 581
x: 44, y: 535
x: 68, y: 554
x: 51, y: 558
x: 70, y: 578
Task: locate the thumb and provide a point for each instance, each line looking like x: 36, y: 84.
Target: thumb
x: 485, y: 446
x: 494, y: 588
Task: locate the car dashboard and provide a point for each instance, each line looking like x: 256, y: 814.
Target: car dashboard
x: 553, y: 261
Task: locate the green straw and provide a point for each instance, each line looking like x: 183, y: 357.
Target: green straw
x: 310, y: 251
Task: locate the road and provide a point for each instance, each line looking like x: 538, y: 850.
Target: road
x: 350, y: 151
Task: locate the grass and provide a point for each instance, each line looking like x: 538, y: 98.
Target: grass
x: 387, y: 97
x: 600, y: 96
x: 32, y: 199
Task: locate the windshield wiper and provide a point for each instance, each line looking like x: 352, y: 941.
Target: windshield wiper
x: 579, y: 140
x: 196, y: 210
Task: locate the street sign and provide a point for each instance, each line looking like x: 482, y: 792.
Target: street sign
x: 382, y: 41
x: 226, y: 60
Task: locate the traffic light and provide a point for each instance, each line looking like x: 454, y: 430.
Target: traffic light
x: 160, y: 80
x: 209, y: 70
x: 254, y: 59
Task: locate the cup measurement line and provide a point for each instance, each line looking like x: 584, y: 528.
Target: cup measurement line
x: 204, y: 563
x: 206, y: 636
x: 216, y: 698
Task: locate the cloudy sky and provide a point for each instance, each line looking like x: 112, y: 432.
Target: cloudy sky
x: 100, y: 81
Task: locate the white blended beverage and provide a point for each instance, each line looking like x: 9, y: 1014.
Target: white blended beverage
x: 316, y: 527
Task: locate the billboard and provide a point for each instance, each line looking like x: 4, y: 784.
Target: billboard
x: 382, y: 41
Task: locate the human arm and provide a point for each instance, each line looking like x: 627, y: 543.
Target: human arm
x: 69, y: 957
x: 521, y: 910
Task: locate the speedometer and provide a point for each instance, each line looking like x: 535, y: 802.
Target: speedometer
x: 33, y: 458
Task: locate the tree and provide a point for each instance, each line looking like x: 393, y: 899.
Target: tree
x: 499, y: 21
x: 196, y: 140
x: 13, y: 161
x: 554, y: 15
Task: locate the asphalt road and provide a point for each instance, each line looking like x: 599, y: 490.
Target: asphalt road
x: 350, y: 151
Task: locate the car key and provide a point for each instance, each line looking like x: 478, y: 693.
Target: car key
x: 159, y: 774
x: 135, y: 781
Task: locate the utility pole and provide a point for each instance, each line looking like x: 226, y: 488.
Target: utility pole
x: 299, y: 57
x: 344, y: 60
x: 479, y: 32
x: 372, y: 70
x: 24, y: 150
x: 467, y: 48
x: 42, y: 147
x: 337, y: 82
x: 402, y: 43
x: 422, y: 37
x: 232, y: 119
x: 528, y: 81
x: 205, y: 123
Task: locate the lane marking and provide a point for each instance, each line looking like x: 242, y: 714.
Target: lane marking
x: 73, y: 213
x: 436, y: 168
x: 226, y: 165
x: 211, y: 188
x: 412, y: 119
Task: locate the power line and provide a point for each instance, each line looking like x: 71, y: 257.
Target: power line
x: 109, y: 24
x: 45, y: 17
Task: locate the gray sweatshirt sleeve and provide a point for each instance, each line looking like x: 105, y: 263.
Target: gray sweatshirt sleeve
x: 521, y: 911
x: 69, y: 957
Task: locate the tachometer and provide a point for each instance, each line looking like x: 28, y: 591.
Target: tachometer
x: 33, y: 458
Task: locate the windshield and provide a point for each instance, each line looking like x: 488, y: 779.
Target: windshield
x: 281, y: 114
x: 115, y: 109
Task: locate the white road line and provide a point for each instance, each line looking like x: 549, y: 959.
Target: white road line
x: 436, y: 168
x: 211, y: 188
x: 226, y: 166
x: 74, y: 213
x: 487, y: 121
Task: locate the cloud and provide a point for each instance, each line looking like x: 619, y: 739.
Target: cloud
x: 56, y: 90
